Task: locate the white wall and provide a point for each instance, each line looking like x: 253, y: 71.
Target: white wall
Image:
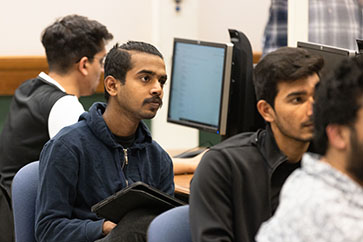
x: 155, y: 21
x: 298, y: 22
x: 21, y: 21
x: 250, y: 17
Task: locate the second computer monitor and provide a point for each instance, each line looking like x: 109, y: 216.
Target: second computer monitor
x: 200, y: 84
x: 332, y: 55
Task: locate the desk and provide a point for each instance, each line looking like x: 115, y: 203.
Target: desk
x: 182, y: 181
x: 182, y: 185
x: 186, y: 168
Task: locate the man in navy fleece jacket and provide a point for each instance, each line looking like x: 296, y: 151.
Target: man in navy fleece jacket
x: 109, y: 148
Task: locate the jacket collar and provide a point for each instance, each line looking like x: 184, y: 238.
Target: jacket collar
x: 270, y: 151
x: 97, y: 124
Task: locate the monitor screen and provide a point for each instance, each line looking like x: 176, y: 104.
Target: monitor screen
x: 332, y: 55
x: 200, y: 83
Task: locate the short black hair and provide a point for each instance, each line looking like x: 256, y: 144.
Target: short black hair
x: 70, y: 38
x: 286, y: 64
x: 118, y: 59
x: 338, y: 97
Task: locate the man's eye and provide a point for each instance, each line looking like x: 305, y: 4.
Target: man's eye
x: 162, y: 82
x: 145, y: 78
x: 297, y: 100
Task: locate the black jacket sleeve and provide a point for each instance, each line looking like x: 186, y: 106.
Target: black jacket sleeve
x: 211, y: 208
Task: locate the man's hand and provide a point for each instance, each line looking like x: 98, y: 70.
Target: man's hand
x: 107, y: 227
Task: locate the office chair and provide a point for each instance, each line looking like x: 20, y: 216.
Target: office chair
x: 171, y: 226
x: 24, y: 190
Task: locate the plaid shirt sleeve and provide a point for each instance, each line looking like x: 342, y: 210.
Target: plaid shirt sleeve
x: 275, y: 34
x: 335, y: 22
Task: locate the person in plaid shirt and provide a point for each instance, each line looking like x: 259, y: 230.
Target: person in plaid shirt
x: 331, y: 22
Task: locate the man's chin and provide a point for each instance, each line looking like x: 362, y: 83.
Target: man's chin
x: 307, y: 139
x: 149, y: 115
x: 307, y: 134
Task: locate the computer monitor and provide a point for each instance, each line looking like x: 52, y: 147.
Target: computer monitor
x: 332, y: 55
x: 200, y: 84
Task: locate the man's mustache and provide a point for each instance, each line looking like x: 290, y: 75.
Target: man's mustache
x: 308, y: 123
x: 154, y: 99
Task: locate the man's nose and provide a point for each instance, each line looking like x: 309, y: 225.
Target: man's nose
x: 310, y: 107
x: 156, y: 89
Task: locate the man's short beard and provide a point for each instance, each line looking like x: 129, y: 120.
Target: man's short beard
x: 288, y: 134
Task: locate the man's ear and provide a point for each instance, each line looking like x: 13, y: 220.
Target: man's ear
x: 111, y: 85
x: 83, y: 65
x: 338, y: 136
x: 266, y: 111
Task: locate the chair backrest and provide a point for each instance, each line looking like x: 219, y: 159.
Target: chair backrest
x: 171, y: 226
x: 24, y: 190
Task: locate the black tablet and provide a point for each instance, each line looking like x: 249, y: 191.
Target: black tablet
x: 135, y: 196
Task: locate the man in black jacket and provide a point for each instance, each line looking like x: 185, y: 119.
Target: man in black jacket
x: 237, y: 183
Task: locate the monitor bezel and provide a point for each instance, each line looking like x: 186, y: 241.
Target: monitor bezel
x: 326, y: 48
x: 221, y: 129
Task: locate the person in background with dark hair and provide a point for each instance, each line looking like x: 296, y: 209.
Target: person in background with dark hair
x: 323, y: 201
x: 108, y: 149
x: 237, y: 183
x: 75, y: 49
